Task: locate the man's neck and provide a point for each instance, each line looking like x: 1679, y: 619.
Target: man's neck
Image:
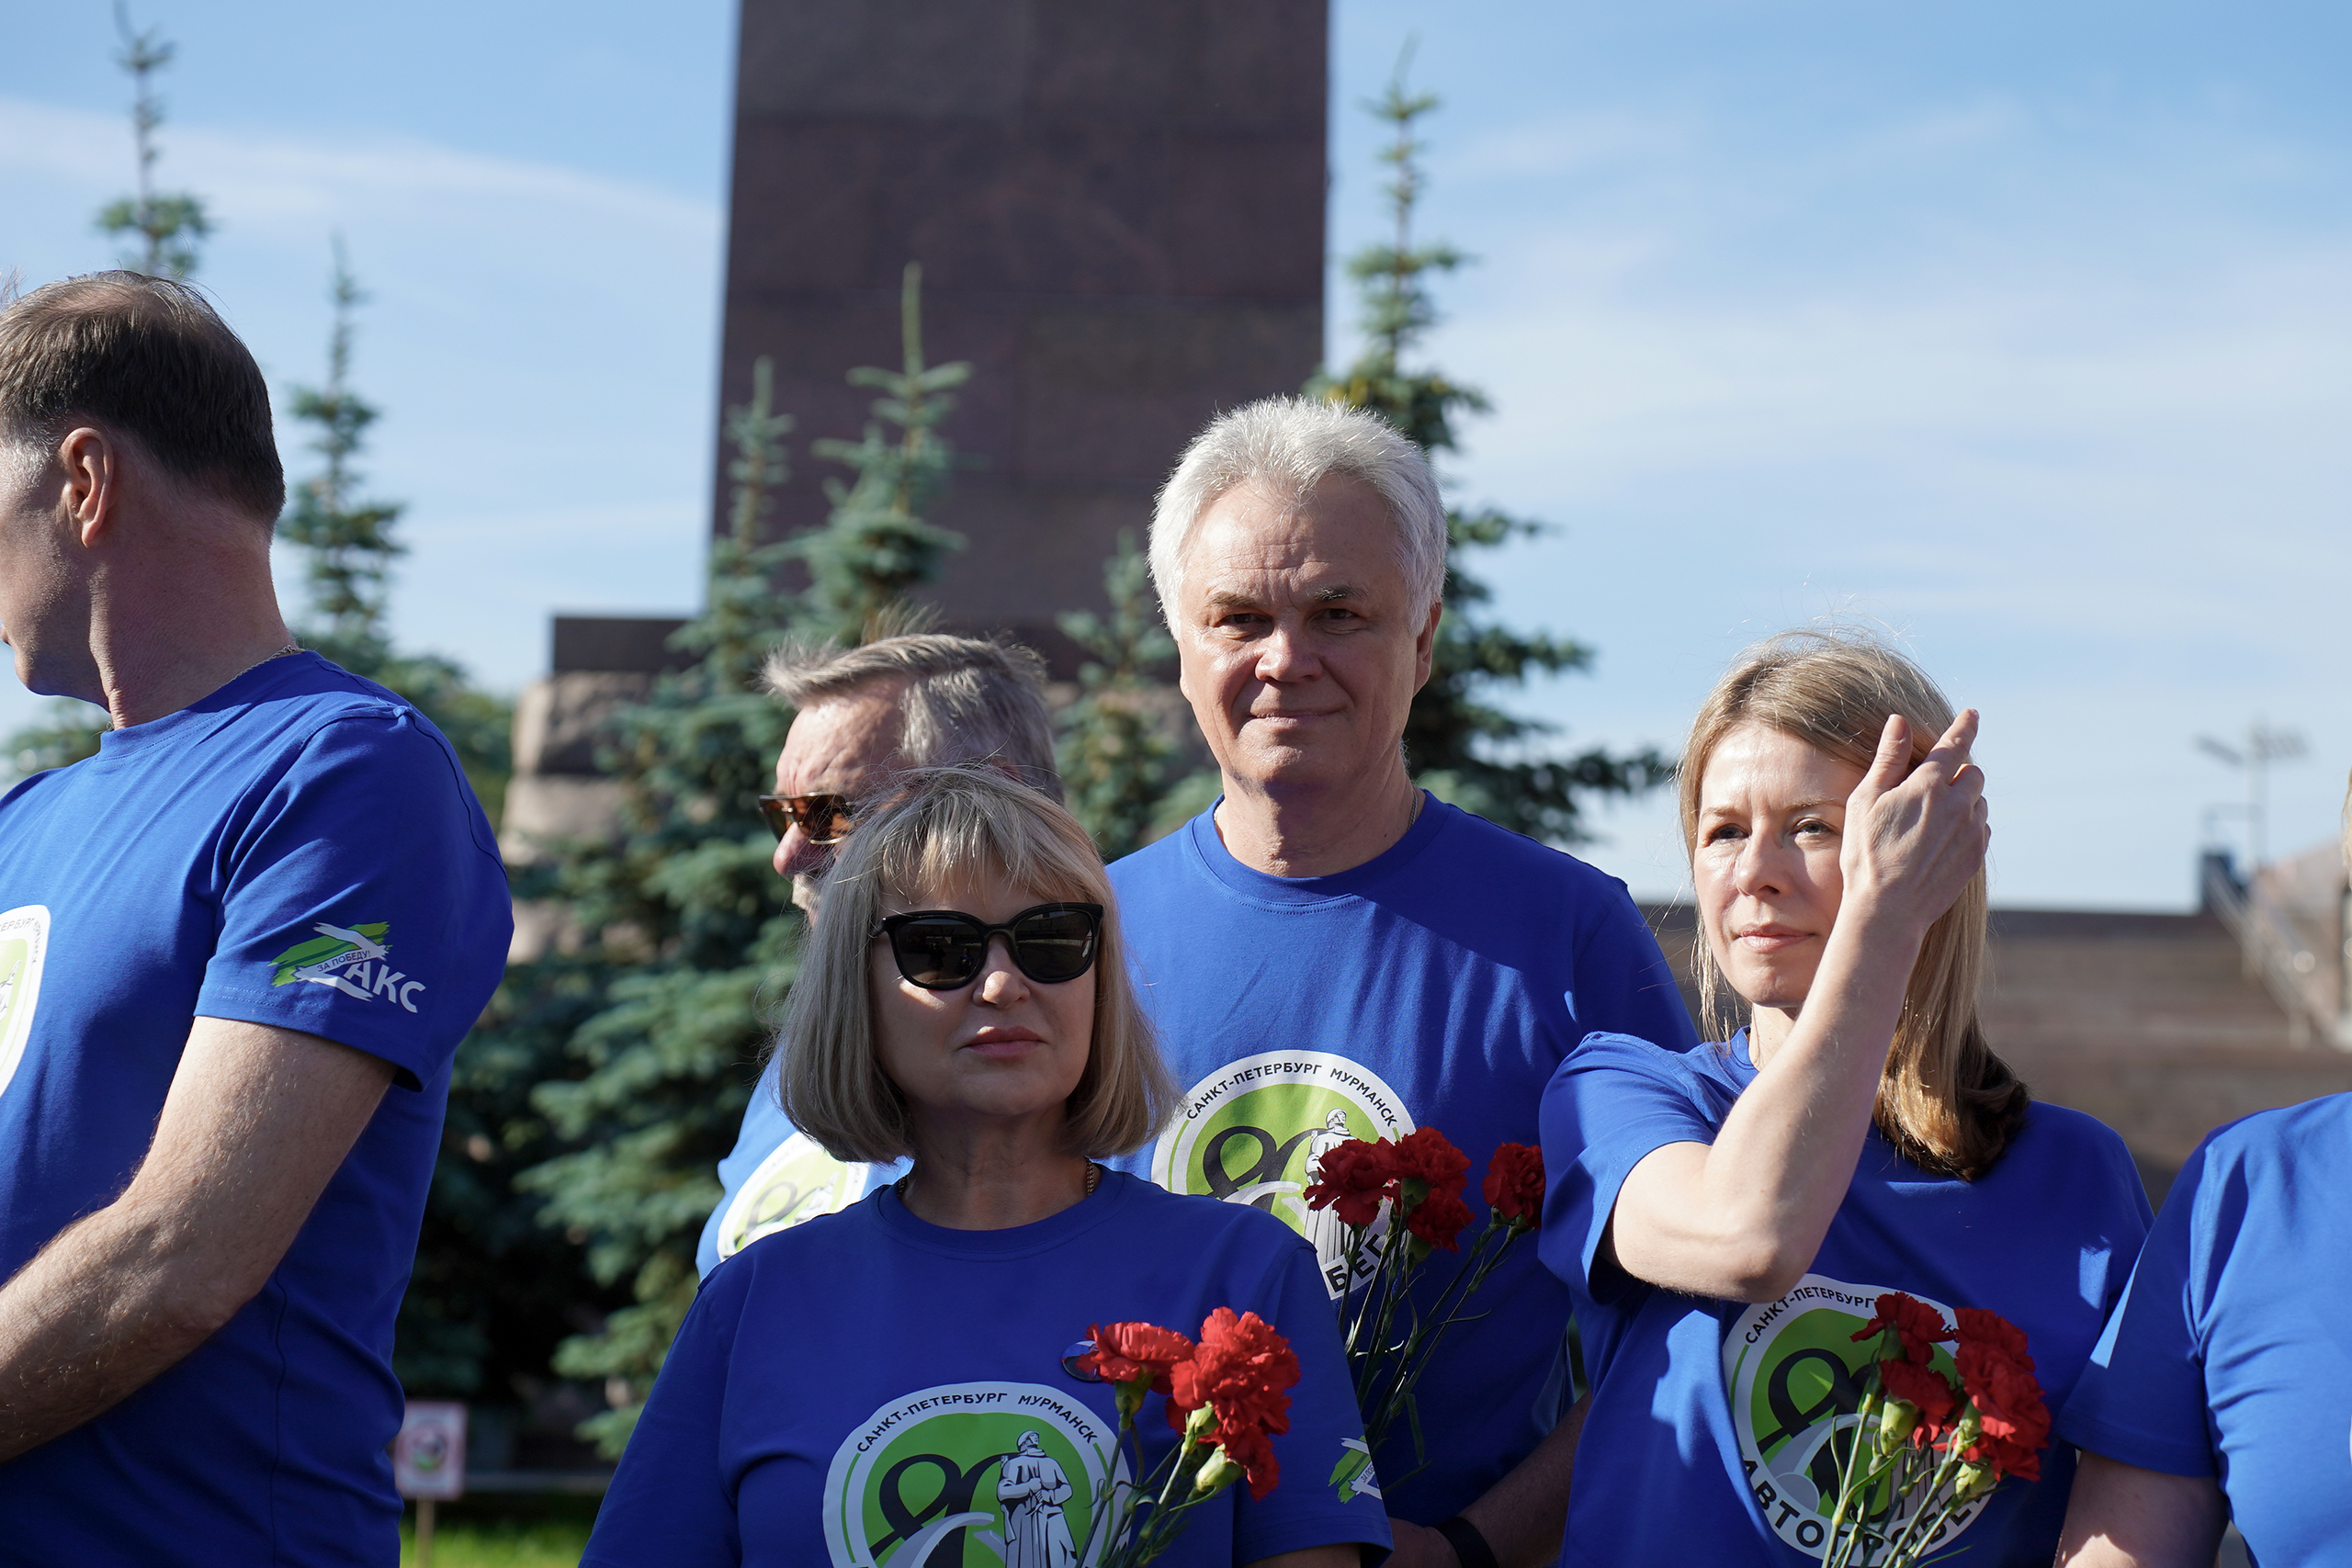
x: 1289, y: 832
x: 149, y: 659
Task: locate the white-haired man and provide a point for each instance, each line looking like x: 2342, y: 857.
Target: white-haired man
x: 915, y: 701
x: 1328, y: 939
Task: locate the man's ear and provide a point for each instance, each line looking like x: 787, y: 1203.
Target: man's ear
x: 1425, y: 646
x: 93, y: 479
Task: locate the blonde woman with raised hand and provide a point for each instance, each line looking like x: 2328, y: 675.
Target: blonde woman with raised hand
x: 1728, y: 1216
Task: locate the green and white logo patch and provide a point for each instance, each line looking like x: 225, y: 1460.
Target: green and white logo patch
x: 24, y: 948
x: 1253, y: 1131
x: 354, y: 960
x: 1353, y: 1476
x: 798, y: 1181
x: 1793, y: 1372
x: 1014, y: 1469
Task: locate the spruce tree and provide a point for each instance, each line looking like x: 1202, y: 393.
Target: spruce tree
x: 1116, y: 760
x: 876, y: 544
x: 663, y: 1011
x: 1458, y: 743
x: 350, y: 545
x: 349, y: 541
x: 169, y: 224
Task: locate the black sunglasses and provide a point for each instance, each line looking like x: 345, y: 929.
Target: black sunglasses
x: 823, y: 818
x: 943, y: 950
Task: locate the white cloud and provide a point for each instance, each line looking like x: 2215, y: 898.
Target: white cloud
x: 268, y: 183
x: 2062, y: 403
x: 541, y: 339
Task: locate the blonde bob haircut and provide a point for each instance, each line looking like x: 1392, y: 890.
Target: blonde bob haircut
x: 1944, y: 1098
x: 937, y: 827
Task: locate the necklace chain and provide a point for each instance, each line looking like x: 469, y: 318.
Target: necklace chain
x: 295, y: 647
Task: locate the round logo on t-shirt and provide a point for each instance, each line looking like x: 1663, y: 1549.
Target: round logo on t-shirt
x: 24, y: 945
x: 974, y: 1472
x: 798, y: 1181
x: 1793, y: 1371
x: 1253, y: 1131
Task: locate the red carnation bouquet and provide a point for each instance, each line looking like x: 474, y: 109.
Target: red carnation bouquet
x: 1401, y: 1203
x: 1224, y: 1395
x: 1920, y: 1452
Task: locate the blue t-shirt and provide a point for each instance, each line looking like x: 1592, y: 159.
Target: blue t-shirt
x: 775, y: 1177
x: 1436, y: 985
x: 1705, y: 1437
x: 2229, y: 1357
x: 868, y: 1389
x: 299, y: 849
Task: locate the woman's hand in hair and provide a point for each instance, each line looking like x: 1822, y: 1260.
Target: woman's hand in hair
x: 1742, y: 1218
x: 1915, y: 836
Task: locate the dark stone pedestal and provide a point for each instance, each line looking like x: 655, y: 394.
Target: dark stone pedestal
x: 1118, y: 205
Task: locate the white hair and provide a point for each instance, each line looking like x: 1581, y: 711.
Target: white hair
x: 1285, y: 446
x: 966, y: 700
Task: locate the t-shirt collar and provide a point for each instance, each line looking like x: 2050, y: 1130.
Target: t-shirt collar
x: 1435, y: 817
x: 248, y: 687
x: 1018, y: 1241
x: 1743, y: 1065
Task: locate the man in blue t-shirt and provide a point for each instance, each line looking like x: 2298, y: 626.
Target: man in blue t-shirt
x: 238, y: 948
x: 2222, y: 1391
x: 922, y: 700
x: 1330, y: 949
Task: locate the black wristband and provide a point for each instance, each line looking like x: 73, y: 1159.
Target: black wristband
x: 1468, y: 1543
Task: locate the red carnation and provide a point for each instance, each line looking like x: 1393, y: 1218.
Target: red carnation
x: 1356, y: 1177
x: 1919, y: 1325
x: 1254, y: 1452
x: 1430, y: 1157
x: 1135, y: 1352
x: 1514, y: 1185
x: 1995, y: 1333
x: 1240, y: 1372
x: 2009, y: 1401
x: 1926, y: 1391
x: 1438, y: 1219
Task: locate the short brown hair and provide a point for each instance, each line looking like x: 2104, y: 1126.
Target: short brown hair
x: 1944, y: 1098
x: 150, y: 358
x: 941, y: 822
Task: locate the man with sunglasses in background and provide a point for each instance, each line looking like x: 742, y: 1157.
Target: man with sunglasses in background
x: 1330, y: 947
x: 923, y: 700
x: 238, y: 948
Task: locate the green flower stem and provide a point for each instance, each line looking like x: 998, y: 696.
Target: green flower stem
x: 1836, y: 1551
x: 1394, y: 1274
x: 1904, y: 1547
x: 1412, y: 1356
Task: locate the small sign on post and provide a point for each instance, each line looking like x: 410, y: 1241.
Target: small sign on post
x: 429, y: 1463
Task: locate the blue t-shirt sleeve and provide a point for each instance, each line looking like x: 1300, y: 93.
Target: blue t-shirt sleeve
x: 670, y: 1506
x: 1306, y: 1507
x: 1623, y: 983
x: 1609, y: 1105
x: 2141, y: 1400
x: 360, y: 900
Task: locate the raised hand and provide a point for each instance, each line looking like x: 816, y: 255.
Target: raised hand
x: 1913, y: 835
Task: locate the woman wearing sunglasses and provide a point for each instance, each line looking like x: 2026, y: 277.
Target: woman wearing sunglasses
x: 896, y: 1383
x: 1727, y: 1218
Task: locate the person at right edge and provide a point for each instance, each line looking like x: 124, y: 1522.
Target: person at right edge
x: 1728, y: 1217
x: 2223, y: 1389
x: 1330, y: 938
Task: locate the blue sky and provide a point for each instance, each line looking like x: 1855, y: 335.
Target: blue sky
x: 2021, y: 331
